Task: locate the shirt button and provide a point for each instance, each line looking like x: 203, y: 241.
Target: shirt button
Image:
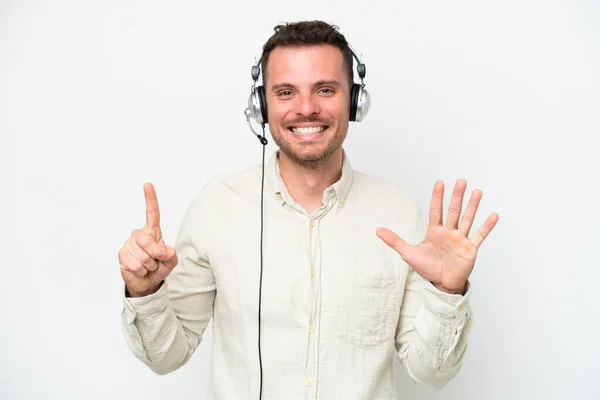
x: 312, y: 328
x: 313, y: 222
x: 309, y: 382
x: 313, y: 273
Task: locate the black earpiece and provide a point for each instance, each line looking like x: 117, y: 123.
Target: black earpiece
x: 360, y: 101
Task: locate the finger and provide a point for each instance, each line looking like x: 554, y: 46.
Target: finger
x: 437, y: 203
x: 485, y: 230
x: 456, y: 204
x: 143, y: 257
x: 469, y: 215
x: 147, y: 243
x: 131, y: 264
x: 394, y: 241
x: 152, y: 210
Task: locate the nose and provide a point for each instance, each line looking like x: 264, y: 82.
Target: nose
x: 307, y: 105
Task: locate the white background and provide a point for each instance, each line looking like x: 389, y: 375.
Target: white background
x: 98, y: 97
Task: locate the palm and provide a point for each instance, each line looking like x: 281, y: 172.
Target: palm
x: 446, y: 256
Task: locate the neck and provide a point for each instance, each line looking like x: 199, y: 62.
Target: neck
x: 306, y: 183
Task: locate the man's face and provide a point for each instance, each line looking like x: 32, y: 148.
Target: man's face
x: 308, y: 97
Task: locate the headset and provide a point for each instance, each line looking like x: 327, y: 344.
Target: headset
x: 360, y: 100
x: 360, y: 103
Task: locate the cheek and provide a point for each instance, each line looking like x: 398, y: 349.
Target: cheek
x: 276, y: 112
x: 339, y: 111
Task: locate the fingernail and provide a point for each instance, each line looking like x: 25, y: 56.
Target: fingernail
x: 160, y: 252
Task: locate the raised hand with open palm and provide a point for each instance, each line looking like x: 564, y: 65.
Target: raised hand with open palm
x: 446, y: 256
x: 145, y: 258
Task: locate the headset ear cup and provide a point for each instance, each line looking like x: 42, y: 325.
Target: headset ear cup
x: 354, y: 101
x: 262, y: 99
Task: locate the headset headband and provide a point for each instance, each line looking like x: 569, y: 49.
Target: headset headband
x: 360, y: 68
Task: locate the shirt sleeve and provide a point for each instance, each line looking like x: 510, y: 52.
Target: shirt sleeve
x: 164, y: 329
x: 431, y: 338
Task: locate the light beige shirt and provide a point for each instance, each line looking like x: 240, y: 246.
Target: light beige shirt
x: 338, y: 304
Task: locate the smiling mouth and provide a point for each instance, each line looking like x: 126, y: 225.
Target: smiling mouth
x: 308, y: 130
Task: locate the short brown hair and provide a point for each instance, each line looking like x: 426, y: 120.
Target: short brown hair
x: 305, y: 33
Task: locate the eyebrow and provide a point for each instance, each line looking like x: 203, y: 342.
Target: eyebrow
x: 330, y: 82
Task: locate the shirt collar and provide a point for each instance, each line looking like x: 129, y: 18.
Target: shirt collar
x: 276, y: 185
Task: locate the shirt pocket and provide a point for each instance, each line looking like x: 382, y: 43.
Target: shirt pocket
x: 372, y: 310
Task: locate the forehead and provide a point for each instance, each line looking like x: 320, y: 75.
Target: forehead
x: 298, y: 64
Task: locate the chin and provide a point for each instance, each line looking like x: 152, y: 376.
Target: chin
x: 309, y: 147
x: 308, y: 154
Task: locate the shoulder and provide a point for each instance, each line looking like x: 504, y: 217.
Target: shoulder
x: 382, y: 192
x: 390, y: 204
x: 221, y: 198
x: 220, y: 190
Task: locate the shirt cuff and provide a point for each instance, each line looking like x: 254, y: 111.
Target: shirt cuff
x: 146, y: 305
x: 451, y: 306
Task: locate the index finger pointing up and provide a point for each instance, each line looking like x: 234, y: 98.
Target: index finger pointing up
x: 152, y: 212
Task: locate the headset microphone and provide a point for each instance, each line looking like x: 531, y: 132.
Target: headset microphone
x: 262, y: 138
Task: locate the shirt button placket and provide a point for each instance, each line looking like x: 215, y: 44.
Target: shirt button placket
x: 311, y: 371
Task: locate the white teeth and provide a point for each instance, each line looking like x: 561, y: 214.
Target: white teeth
x: 308, y: 130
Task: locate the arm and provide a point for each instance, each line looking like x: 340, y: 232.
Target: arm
x: 431, y: 336
x: 163, y: 329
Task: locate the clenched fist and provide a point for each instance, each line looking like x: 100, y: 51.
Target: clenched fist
x: 145, y: 258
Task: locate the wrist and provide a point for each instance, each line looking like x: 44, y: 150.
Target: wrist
x: 460, y: 290
x: 148, y: 292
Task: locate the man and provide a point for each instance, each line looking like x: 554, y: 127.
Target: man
x: 352, y: 275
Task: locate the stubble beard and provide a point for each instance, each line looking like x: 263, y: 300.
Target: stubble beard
x: 309, y: 155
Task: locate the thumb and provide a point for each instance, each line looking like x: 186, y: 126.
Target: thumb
x: 396, y: 243
x: 167, y: 262
x: 168, y: 255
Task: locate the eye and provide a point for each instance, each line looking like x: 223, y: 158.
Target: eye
x: 327, y: 91
x: 285, y: 93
